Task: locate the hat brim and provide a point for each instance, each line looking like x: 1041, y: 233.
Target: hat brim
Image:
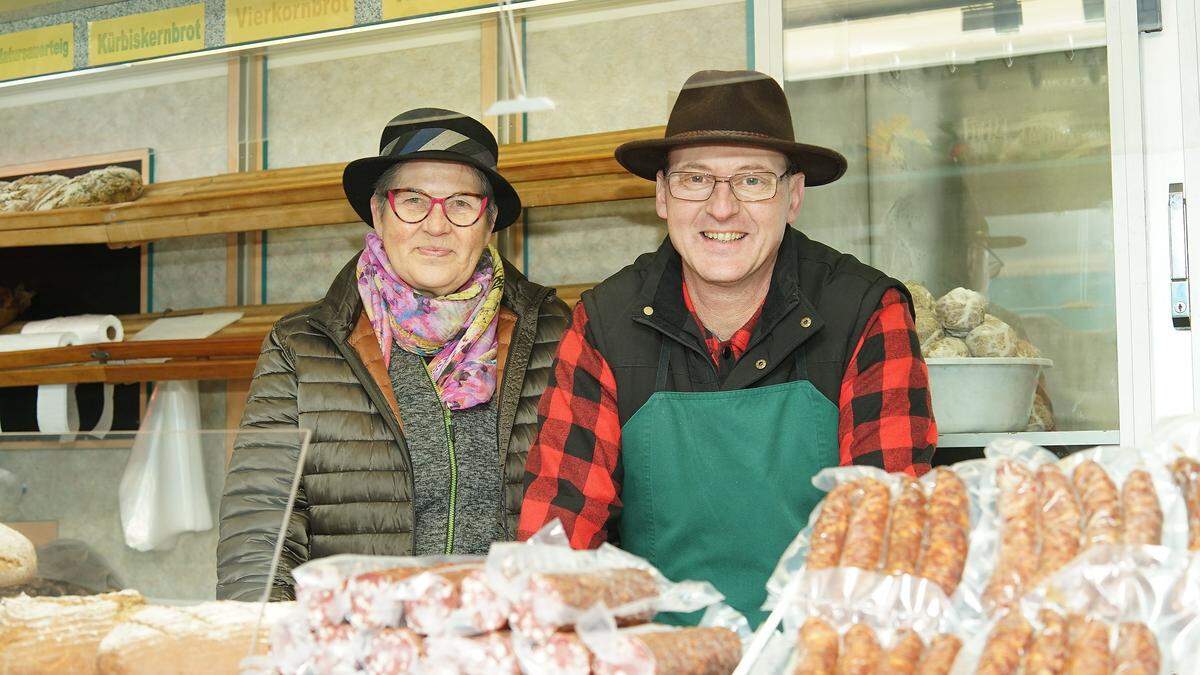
x: 359, y: 178
x: 820, y: 166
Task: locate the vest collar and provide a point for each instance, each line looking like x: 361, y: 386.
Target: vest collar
x: 662, y: 291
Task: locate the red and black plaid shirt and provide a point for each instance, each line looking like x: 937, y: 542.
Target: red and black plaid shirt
x: 876, y: 417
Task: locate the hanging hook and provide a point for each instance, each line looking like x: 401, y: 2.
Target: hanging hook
x: 952, y: 57
x: 1008, y: 51
x: 1070, y: 47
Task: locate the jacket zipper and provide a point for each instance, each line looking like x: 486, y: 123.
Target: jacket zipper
x: 449, y: 549
x: 453, y: 482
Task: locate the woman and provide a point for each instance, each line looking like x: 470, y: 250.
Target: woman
x: 417, y: 376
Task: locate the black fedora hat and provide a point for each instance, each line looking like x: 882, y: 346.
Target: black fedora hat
x: 732, y: 106
x: 431, y: 133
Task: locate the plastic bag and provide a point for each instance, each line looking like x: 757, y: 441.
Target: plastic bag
x: 1122, y: 605
x: 163, y: 492
x: 860, y: 615
x: 714, y: 646
x: 550, y: 585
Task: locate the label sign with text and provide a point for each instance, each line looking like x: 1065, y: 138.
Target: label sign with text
x: 250, y: 20
x: 141, y: 36
x: 402, y: 9
x: 37, y: 52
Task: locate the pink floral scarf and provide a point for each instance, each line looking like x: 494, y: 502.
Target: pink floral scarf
x: 458, y: 330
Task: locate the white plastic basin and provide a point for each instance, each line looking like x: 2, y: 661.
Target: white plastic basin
x: 981, y: 395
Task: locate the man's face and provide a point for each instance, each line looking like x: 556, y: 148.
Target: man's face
x: 434, y: 256
x: 723, y: 240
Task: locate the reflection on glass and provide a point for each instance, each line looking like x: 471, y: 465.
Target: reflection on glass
x: 124, y: 511
x: 978, y: 142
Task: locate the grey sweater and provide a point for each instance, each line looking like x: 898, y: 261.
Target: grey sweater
x: 455, y: 461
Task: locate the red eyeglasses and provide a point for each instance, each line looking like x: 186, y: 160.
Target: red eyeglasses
x: 411, y: 205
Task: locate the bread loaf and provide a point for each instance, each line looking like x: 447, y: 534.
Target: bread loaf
x: 18, y: 560
x: 23, y: 193
x: 211, y: 637
x: 51, y: 636
x: 109, y: 185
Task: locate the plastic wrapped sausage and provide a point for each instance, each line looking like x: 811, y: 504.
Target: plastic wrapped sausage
x: 1017, y: 561
x: 454, y: 600
x: 560, y: 654
x: 818, y: 648
x: 1186, y: 472
x: 487, y: 654
x: 940, y: 655
x: 686, y: 651
x: 1088, y: 640
x: 1140, y: 510
x: 391, y: 651
x: 906, y: 530
x: 1049, y: 651
x: 552, y: 599
x: 1137, y: 650
x: 1060, y: 520
x: 944, y: 553
x: 373, y: 599
x: 904, y: 654
x: 1101, y: 504
x: 868, y: 526
x: 1005, y: 646
x: 860, y: 651
x: 829, y: 533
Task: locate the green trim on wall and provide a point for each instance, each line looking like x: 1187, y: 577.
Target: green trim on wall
x: 749, y: 34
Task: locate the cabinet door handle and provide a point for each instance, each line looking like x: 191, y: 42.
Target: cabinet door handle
x: 1181, y: 305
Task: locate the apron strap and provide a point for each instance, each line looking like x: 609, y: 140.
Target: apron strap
x: 664, y: 362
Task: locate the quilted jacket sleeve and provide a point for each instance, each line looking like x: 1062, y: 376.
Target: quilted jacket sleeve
x: 258, y: 483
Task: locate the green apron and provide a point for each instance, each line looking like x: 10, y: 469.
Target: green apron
x: 717, y: 484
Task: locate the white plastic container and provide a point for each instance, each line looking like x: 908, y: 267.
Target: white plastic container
x: 981, y: 395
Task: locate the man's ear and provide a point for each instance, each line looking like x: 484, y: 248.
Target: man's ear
x: 661, y: 192
x: 795, y: 195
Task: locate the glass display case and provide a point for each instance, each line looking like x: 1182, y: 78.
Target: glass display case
x: 981, y: 137
x: 122, y: 510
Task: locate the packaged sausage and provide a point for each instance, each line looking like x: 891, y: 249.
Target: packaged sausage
x: 714, y: 647
x: 453, y: 600
x: 1115, y: 609
x: 848, y: 620
x: 549, y: 585
x: 892, y: 523
x: 359, y: 589
x: 487, y: 654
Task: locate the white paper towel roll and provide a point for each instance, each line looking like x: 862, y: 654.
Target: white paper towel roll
x: 90, y: 328
x: 17, y: 343
x: 57, y: 409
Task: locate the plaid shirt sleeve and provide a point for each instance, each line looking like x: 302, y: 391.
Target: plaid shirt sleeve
x: 885, y: 417
x: 573, y: 469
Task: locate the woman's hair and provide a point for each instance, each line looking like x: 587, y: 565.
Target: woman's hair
x: 485, y: 188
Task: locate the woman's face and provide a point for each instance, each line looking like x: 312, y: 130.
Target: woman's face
x: 434, y: 256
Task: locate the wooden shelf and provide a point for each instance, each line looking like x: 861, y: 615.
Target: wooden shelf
x: 555, y: 172
x: 229, y: 354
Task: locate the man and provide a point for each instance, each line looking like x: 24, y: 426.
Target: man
x: 698, y: 390
x: 416, y: 375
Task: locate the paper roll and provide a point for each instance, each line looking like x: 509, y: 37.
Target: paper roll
x: 17, y: 343
x: 57, y: 408
x: 91, y: 328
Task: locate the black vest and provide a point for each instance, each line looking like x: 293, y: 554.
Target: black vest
x: 816, y: 310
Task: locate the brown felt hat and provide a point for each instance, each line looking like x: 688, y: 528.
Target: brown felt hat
x: 732, y: 106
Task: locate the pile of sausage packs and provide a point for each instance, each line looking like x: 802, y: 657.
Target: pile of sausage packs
x: 1018, y: 563
x: 533, y: 607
